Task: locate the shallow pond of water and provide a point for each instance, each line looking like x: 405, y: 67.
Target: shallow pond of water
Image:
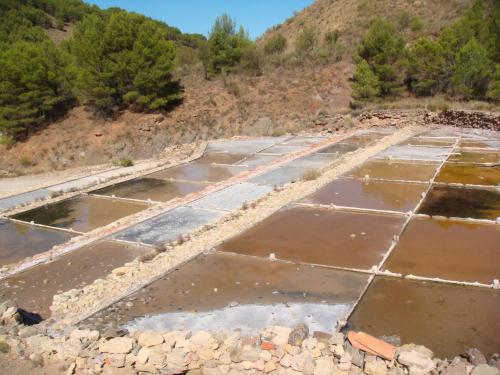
x: 196, y: 171
x: 395, y: 170
x: 34, y: 289
x: 475, y: 157
x: 18, y: 241
x: 451, y: 250
x: 462, y: 202
x: 226, y: 291
x: 151, y: 188
x: 319, y: 236
x: 469, y: 174
x: 381, y: 195
x: 83, y: 213
x: 448, y: 319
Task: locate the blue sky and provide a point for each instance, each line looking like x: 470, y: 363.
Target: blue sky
x: 197, y: 16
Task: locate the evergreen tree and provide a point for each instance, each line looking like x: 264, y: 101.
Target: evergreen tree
x: 123, y: 59
x: 472, y: 71
x: 226, y: 46
x: 366, y: 84
x: 426, y: 67
x: 33, y: 88
x: 381, y: 48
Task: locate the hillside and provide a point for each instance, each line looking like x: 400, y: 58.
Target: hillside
x: 260, y: 94
x: 352, y: 17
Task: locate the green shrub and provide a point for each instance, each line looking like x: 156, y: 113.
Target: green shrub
x: 472, y: 71
x: 124, y: 162
x: 366, y: 84
x: 305, y: 42
x: 275, y: 45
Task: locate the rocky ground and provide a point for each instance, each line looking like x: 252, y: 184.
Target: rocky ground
x: 276, y: 350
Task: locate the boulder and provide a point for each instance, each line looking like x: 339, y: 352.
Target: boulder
x: 150, y: 338
x: 278, y: 335
x: 475, y: 357
x: 376, y: 367
x: 324, y: 366
x: 117, y: 345
x: 298, y: 334
x: 416, y: 361
x: 485, y: 370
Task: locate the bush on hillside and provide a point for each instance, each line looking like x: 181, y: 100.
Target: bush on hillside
x: 275, y: 45
x: 305, y: 42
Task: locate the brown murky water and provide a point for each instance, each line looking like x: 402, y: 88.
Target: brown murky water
x: 469, y: 174
x: 451, y: 250
x: 472, y: 143
x: 18, y: 241
x: 34, y: 289
x: 416, y: 141
x: 364, y: 139
x: 83, y: 213
x: 220, y: 158
x: 396, y: 170
x: 195, y: 171
x: 445, y: 318
x: 151, y: 188
x: 339, y: 148
x: 462, y: 202
x: 213, y: 281
x: 320, y: 236
x: 379, y: 195
x: 476, y: 157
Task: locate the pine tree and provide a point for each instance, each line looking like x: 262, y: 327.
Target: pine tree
x: 366, y: 84
x: 32, y: 86
x: 426, y: 67
x: 382, y: 48
x: 473, y: 70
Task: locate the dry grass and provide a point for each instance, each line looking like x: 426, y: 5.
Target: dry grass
x: 311, y: 174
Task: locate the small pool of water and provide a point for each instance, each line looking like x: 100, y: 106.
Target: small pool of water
x: 448, y: 319
x: 151, y: 188
x: 19, y: 241
x: 451, y: 250
x: 381, y: 195
x: 395, y: 170
x: 462, y: 202
x: 235, y: 287
x: 319, y: 236
x: 34, y: 289
x: 83, y: 213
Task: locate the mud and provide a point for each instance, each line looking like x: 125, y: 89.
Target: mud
x: 379, y: 195
x: 462, y: 202
x: 319, y: 236
x: 18, y: 241
x: 212, y: 282
x: 34, y: 289
x: 448, y: 319
x: 195, y: 171
x: 469, y: 174
x: 396, y: 170
x: 83, y: 213
x: 151, y: 188
x: 450, y: 250
x: 476, y: 157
